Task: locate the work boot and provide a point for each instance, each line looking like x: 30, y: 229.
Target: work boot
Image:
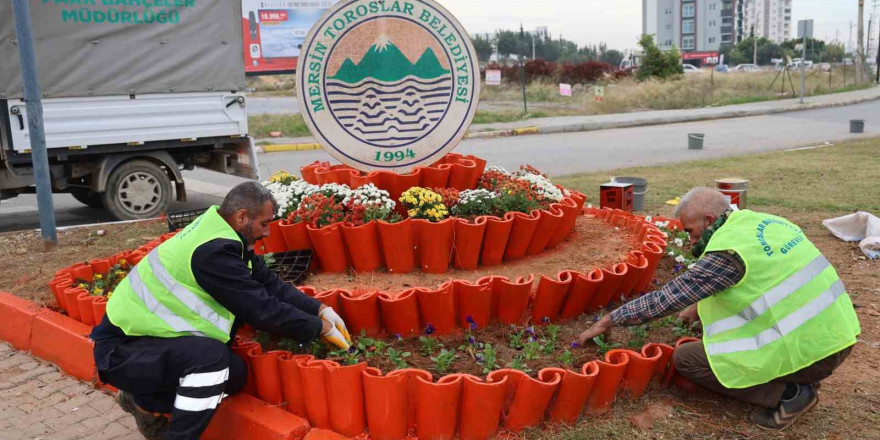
x: 151, y: 425
x: 788, y: 410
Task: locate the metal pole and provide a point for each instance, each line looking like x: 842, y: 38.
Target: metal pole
x: 522, y: 77
x: 804, y: 67
x: 755, y: 50
x: 878, y: 58
x: 860, y: 50
x: 39, y: 156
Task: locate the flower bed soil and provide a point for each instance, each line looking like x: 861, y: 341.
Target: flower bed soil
x: 28, y: 268
x: 664, y: 331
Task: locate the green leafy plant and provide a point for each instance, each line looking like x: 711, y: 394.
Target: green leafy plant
x: 516, y: 338
x: 429, y: 345
x: 269, y: 259
x: 532, y: 349
x: 349, y: 357
x: 369, y: 346
x: 488, y: 358
x: 604, y: 347
x: 263, y: 339
x: 444, y: 360
x: 519, y: 364
x: 682, y: 329
x: 639, y: 336
x: 553, y: 334
x: 398, y: 358
x: 566, y: 358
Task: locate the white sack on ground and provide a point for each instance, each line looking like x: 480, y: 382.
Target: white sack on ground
x: 862, y: 227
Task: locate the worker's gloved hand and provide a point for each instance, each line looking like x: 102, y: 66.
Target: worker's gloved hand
x: 331, y: 335
x: 328, y: 315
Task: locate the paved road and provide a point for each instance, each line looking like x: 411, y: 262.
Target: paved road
x: 272, y: 105
x: 558, y: 154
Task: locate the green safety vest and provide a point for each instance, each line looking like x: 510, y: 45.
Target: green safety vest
x: 789, y: 311
x: 161, y: 298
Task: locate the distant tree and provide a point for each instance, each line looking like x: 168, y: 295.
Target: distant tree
x: 657, y: 64
x: 507, y: 43
x: 612, y: 56
x: 484, y: 48
x: 833, y: 53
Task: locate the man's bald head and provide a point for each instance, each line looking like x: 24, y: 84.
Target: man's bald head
x: 702, y: 201
x: 699, y: 208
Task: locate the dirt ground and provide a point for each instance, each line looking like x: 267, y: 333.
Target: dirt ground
x: 28, y: 267
x: 849, y: 405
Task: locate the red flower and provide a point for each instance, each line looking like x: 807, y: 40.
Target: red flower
x: 450, y: 196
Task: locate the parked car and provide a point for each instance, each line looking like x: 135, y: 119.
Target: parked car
x: 689, y: 68
x: 796, y: 64
x: 747, y: 68
x: 722, y: 68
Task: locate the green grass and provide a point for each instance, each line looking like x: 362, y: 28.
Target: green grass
x: 484, y: 117
x: 289, y: 125
x: 837, y: 179
x: 294, y: 126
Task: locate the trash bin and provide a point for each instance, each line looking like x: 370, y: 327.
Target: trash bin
x: 695, y: 141
x: 857, y: 126
x: 640, y: 188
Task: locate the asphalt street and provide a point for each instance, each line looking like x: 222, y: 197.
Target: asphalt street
x: 558, y: 154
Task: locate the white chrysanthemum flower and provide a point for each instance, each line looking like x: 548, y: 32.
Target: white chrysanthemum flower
x: 544, y: 187
x: 678, y: 242
x: 370, y: 195
x: 680, y: 259
x: 497, y: 168
x: 470, y: 195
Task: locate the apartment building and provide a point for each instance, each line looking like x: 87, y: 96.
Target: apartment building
x: 770, y: 19
x: 698, y: 28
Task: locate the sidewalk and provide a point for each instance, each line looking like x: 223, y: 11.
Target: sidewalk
x: 571, y: 124
x: 39, y: 402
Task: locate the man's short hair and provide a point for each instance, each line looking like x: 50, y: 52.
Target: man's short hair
x: 250, y: 196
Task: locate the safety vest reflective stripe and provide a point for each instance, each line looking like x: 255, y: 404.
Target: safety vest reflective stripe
x: 783, y: 290
x: 187, y: 297
x: 784, y: 326
x: 176, y: 323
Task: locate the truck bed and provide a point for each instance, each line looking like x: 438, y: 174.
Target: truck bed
x: 80, y: 123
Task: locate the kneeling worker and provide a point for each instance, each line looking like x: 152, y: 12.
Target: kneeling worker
x: 776, y: 318
x: 164, y: 341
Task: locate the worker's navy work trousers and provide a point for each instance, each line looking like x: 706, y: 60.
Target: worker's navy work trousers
x: 186, y: 377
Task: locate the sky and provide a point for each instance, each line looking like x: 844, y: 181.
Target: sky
x: 619, y: 22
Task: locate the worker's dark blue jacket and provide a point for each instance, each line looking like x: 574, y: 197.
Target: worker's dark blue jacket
x: 257, y: 297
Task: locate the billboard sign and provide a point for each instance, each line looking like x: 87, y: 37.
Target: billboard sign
x: 274, y: 30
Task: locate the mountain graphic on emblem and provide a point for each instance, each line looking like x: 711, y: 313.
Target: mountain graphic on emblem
x: 386, y: 100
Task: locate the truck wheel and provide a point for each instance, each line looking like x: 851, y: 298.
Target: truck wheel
x: 136, y: 190
x: 87, y: 197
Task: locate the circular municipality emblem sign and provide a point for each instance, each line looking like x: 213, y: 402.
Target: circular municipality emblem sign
x: 388, y: 85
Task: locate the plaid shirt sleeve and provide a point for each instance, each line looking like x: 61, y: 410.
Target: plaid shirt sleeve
x: 712, y: 274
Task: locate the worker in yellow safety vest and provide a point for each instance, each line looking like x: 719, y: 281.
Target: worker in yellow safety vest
x: 164, y: 341
x: 776, y: 318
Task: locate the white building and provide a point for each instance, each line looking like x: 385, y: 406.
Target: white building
x: 542, y: 31
x: 770, y: 19
x: 693, y: 26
